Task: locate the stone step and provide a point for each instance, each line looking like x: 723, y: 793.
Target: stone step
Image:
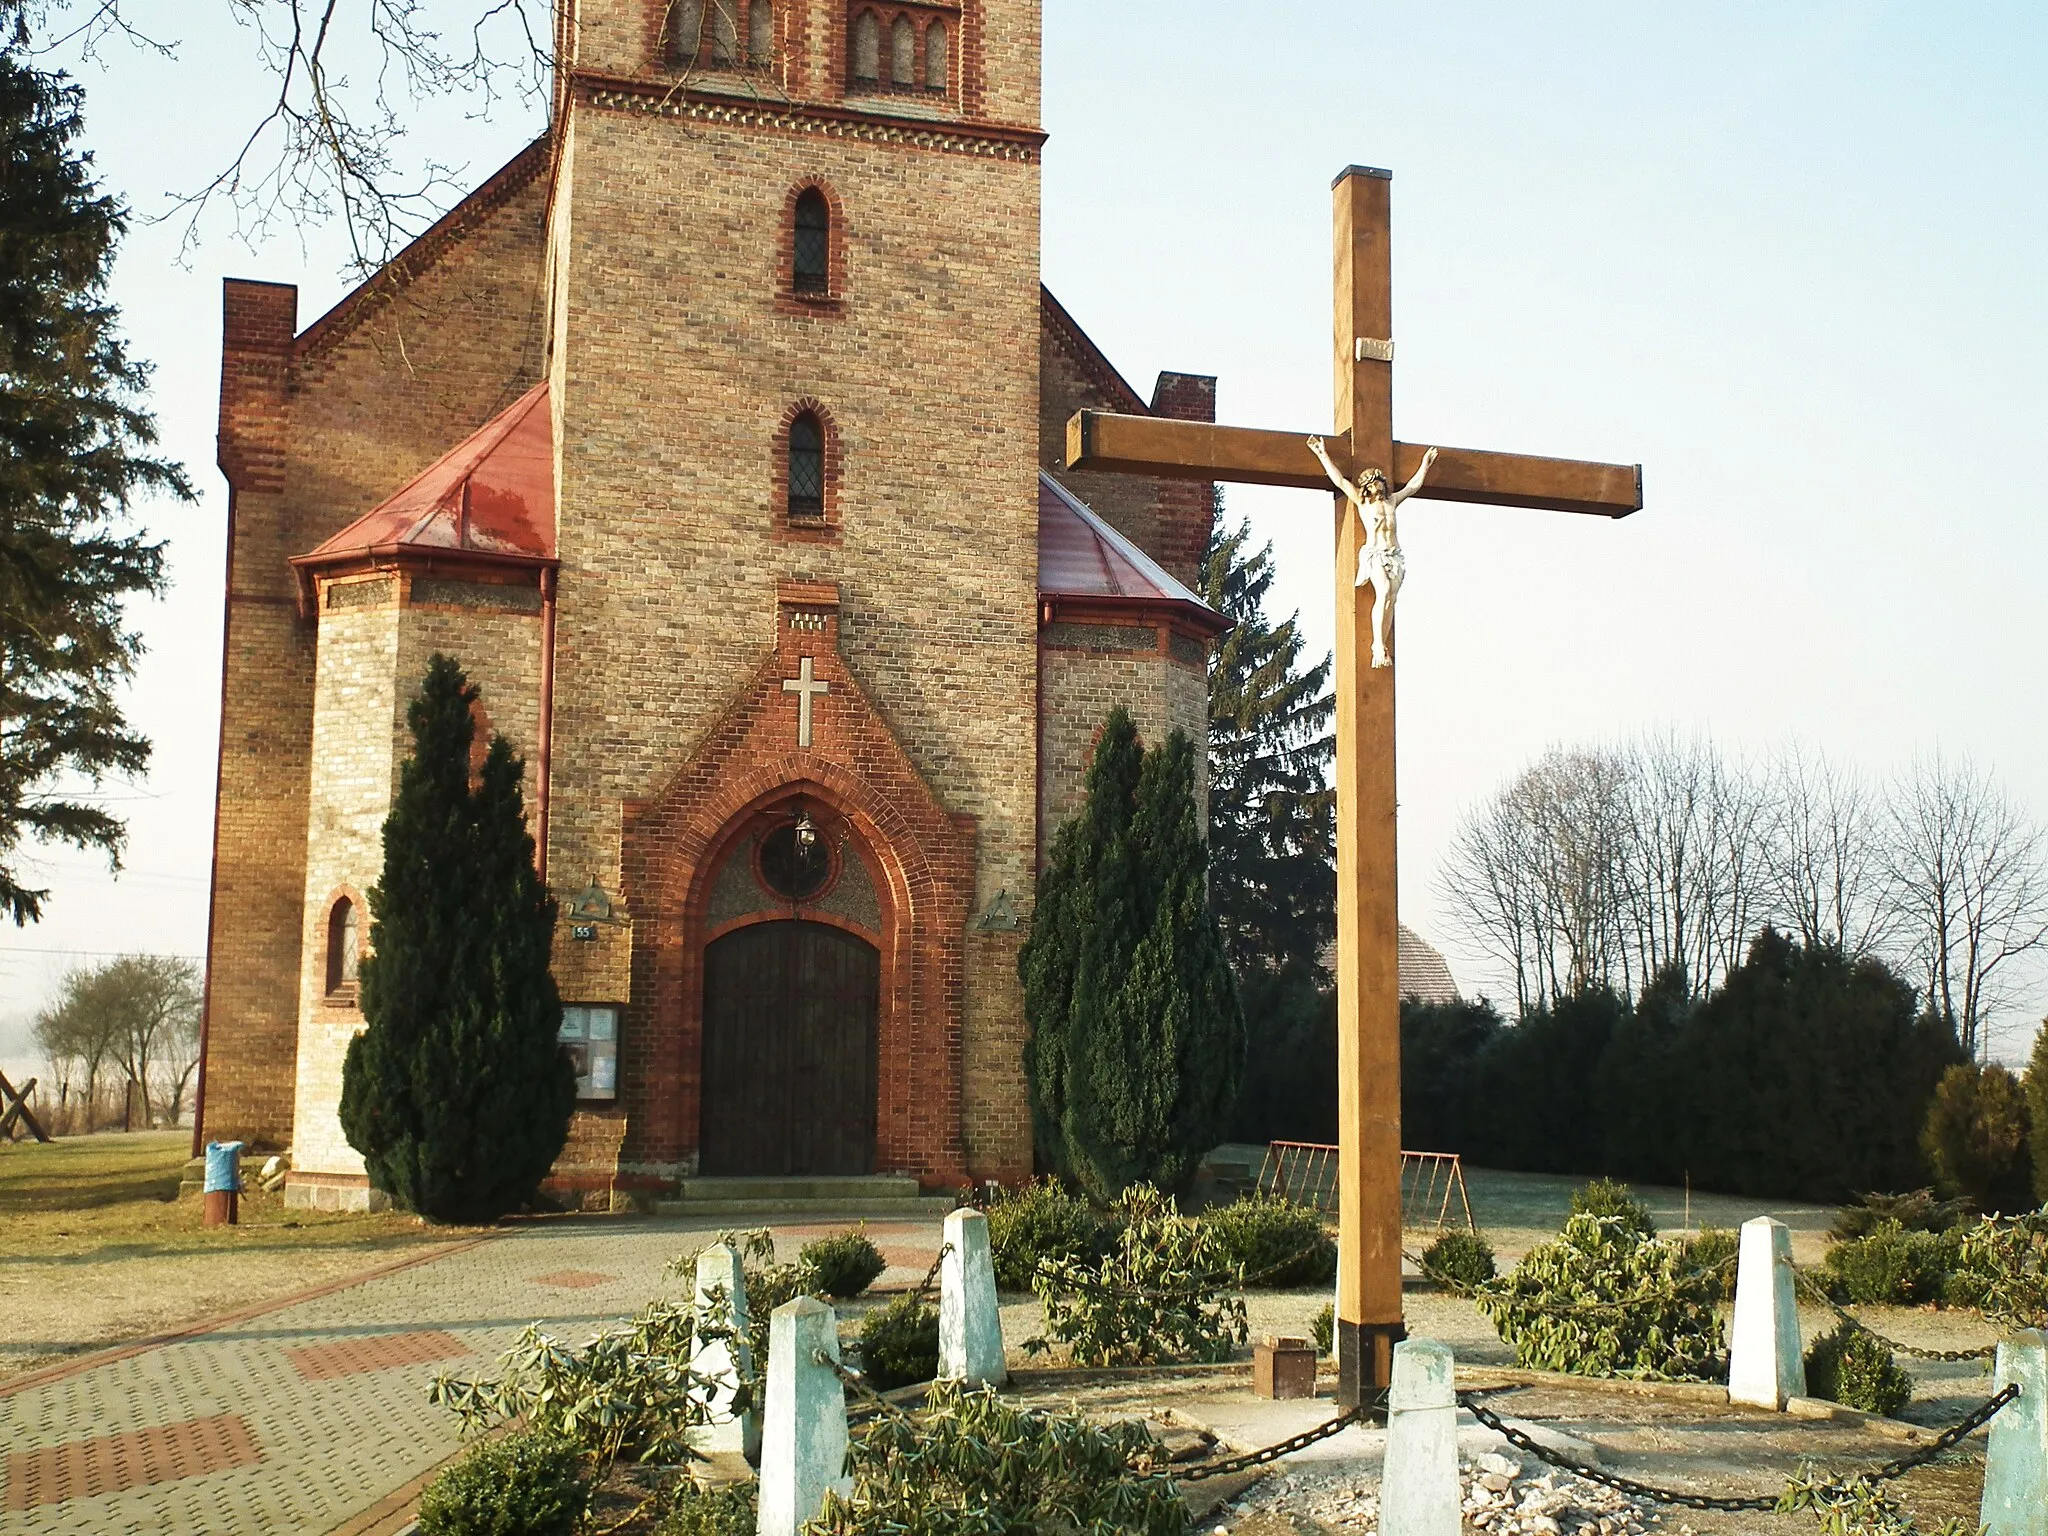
x: 923, y: 1208
x: 874, y: 1186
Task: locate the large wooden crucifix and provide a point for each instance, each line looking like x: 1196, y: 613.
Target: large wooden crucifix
x: 1368, y: 968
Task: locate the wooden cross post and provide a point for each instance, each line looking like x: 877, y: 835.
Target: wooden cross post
x: 1368, y: 970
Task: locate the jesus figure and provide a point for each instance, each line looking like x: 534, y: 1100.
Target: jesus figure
x: 1380, y: 561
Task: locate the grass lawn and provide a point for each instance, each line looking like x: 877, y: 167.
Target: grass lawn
x: 99, y: 1248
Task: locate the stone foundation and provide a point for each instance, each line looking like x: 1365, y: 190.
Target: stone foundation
x: 312, y: 1192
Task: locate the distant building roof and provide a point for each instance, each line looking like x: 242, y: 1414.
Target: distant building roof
x: 1425, y: 974
x: 488, y: 500
x: 1082, y: 559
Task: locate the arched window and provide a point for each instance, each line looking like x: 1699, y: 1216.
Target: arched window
x: 344, y: 939
x: 903, y: 52
x: 810, y: 263
x: 761, y: 34
x: 867, y: 48
x: 935, y: 56
x: 685, y: 30
x: 725, y: 38
x: 806, y: 469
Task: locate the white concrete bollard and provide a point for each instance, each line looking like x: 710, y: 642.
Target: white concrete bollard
x: 1419, y: 1493
x: 725, y: 1363
x: 2016, y: 1457
x: 970, y: 1325
x: 1765, y: 1366
x: 803, y: 1438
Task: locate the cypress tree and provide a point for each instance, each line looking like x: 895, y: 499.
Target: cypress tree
x: 1064, y: 916
x: 2036, y: 1084
x: 1157, y: 1045
x: 458, y: 1094
x: 72, y: 459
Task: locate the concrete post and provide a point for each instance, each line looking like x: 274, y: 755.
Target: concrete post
x: 725, y: 1363
x: 970, y: 1326
x: 2016, y: 1458
x: 1419, y: 1494
x: 803, y: 1436
x: 1765, y: 1366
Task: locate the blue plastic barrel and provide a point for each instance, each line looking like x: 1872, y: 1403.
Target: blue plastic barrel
x: 223, y: 1167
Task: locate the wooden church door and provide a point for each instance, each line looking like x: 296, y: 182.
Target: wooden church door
x: 789, y: 1051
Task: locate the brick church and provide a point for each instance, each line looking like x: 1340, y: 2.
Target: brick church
x: 718, y: 437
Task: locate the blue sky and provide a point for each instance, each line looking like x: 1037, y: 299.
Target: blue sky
x: 1788, y: 257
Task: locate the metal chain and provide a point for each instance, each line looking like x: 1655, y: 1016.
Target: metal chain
x: 1946, y: 1441
x: 1274, y: 1452
x: 1579, y: 1308
x: 854, y: 1379
x: 1814, y: 1289
x: 1195, y: 1289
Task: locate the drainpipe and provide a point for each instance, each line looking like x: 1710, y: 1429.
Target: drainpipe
x: 545, y: 750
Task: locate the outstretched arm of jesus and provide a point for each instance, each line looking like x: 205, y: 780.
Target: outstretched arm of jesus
x: 1415, y: 484
x: 1316, y: 447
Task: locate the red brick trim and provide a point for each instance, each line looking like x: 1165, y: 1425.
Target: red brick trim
x: 971, y: 60
x: 831, y: 304
x: 346, y: 997
x: 1088, y: 357
x: 323, y: 334
x: 922, y: 857
x: 823, y: 530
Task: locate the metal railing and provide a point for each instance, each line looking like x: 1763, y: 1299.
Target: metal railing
x: 1306, y: 1173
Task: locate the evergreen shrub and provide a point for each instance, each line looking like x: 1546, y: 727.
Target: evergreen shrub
x: 1039, y: 1221
x: 1459, y: 1261
x: 458, y: 1092
x: 970, y: 1464
x: 2036, y: 1086
x: 841, y: 1266
x: 1857, y: 1370
x: 1603, y: 1300
x: 1714, y: 1249
x: 688, y: 1510
x: 1323, y: 1328
x: 521, y: 1484
x: 1917, y: 1211
x: 1274, y: 1243
x: 899, y: 1343
x: 2002, y: 1270
x: 1976, y: 1138
x: 1891, y: 1266
x: 1611, y: 1197
x: 1157, y: 1297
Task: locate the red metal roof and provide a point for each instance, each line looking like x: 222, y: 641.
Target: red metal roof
x: 1081, y: 557
x: 492, y: 495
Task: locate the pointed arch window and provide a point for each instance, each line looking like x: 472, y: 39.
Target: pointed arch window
x: 811, y: 243
x: 867, y: 48
x: 761, y: 34
x: 936, y: 57
x: 685, y: 31
x: 725, y: 39
x: 903, y: 52
x: 344, y: 945
x: 806, y: 469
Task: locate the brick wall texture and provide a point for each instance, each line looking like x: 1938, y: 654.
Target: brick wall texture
x: 635, y: 260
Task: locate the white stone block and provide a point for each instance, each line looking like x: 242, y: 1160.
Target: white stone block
x: 721, y: 1297
x: 1419, y: 1493
x: 1765, y: 1366
x: 2016, y: 1455
x: 803, y: 1433
x: 970, y: 1324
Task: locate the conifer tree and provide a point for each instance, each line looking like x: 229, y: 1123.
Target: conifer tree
x: 1157, y: 1051
x: 73, y: 441
x: 1272, y: 814
x: 2036, y: 1083
x: 458, y: 1094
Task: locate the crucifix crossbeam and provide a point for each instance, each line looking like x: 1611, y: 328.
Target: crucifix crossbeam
x: 1362, y: 452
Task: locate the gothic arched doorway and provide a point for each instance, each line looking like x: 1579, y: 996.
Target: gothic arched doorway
x: 790, y: 1051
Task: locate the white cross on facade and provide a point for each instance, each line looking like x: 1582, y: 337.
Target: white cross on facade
x: 804, y: 686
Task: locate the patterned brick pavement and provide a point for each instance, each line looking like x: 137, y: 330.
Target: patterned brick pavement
x: 313, y: 1417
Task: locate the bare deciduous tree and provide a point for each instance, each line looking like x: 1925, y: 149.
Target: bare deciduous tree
x: 1966, y: 887
x: 139, y: 1014
x: 1824, y: 854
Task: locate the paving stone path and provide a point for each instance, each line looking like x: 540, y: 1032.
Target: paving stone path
x: 312, y: 1416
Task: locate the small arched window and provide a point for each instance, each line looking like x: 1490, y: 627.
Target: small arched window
x: 344, y: 940
x: 810, y: 263
x: 725, y: 37
x: 806, y: 469
x: 903, y: 52
x: 685, y: 31
x: 867, y: 48
x: 761, y: 34
x: 935, y: 57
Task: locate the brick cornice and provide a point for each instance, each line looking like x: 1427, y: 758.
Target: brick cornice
x: 617, y: 93
x: 1088, y: 357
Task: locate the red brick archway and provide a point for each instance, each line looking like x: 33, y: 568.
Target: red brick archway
x: 921, y: 856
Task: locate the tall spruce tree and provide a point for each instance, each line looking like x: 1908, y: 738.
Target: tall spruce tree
x: 73, y: 441
x: 1272, y: 813
x: 458, y: 1094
